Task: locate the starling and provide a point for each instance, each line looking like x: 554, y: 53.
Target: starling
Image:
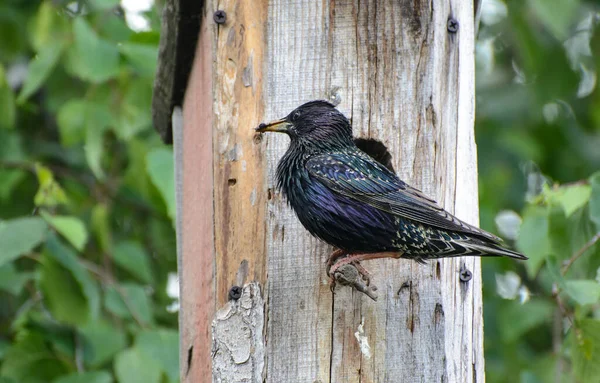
x: 355, y: 202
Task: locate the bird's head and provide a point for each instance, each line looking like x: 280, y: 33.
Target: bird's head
x: 314, y: 123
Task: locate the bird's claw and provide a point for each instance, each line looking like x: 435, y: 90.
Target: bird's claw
x: 364, y: 273
x: 349, y: 275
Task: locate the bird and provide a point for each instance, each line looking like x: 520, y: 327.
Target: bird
x: 344, y: 191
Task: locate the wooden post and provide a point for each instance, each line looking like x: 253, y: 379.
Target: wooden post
x: 403, y: 71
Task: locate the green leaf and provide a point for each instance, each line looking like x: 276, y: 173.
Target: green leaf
x: 160, y: 168
x: 12, y: 32
x: 556, y: 16
x: 584, y: 292
x: 86, y: 121
x: 136, y: 177
x: 101, y: 227
x: 19, y: 236
x: 72, y: 228
x: 98, y: 120
x: 86, y: 377
x: 595, y: 200
x: 104, y: 4
x: 531, y: 314
x: 7, y: 103
x: 534, y: 240
x: 91, y: 57
x: 11, y: 146
x: 9, y: 179
x: 30, y: 360
x: 101, y: 342
x: 76, y: 279
x: 114, y: 28
x: 63, y: 295
x: 129, y: 301
x: 132, y: 257
x: 572, y: 197
x: 4, y: 346
x: 586, y: 350
x: 559, y: 233
x: 554, y: 271
x: 71, y: 122
x: 133, y: 112
x: 132, y: 366
x: 12, y: 280
x: 49, y: 25
x: 50, y: 192
x: 162, y: 346
x: 40, y: 68
x: 142, y: 57
x: 94, y: 142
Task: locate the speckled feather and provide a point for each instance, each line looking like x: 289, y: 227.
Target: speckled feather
x: 345, y: 197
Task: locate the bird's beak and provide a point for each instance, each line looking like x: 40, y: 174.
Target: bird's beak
x: 281, y: 126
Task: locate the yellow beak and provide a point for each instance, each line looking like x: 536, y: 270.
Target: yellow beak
x: 281, y: 126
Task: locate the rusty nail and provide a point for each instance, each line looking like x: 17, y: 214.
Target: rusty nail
x: 465, y: 275
x: 452, y: 25
x: 235, y: 292
x: 220, y: 17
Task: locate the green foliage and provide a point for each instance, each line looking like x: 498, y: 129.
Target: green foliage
x: 538, y: 132
x: 86, y: 199
x: 19, y: 236
x: 557, y: 233
x: 133, y: 366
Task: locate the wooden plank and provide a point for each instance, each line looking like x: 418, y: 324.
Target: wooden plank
x: 404, y: 79
x: 194, y: 152
x: 238, y: 158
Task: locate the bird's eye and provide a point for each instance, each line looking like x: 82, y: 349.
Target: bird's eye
x: 295, y: 115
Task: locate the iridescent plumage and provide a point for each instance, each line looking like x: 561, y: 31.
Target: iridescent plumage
x: 345, y: 197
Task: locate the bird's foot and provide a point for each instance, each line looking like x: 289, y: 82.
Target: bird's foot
x: 349, y: 275
x: 364, y: 273
x: 333, y: 257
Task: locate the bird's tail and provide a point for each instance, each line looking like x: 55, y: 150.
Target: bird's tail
x: 494, y: 250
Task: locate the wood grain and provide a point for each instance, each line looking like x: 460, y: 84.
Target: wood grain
x: 402, y: 78
x: 196, y: 246
x: 239, y: 168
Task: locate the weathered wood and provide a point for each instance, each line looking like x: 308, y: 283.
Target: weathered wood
x: 239, y: 192
x: 180, y: 25
x: 404, y: 79
x: 238, y: 352
x: 196, y: 239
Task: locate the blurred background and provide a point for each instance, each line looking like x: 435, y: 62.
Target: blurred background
x: 88, y: 292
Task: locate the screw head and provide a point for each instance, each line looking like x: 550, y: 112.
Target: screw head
x: 465, y: 275
x: 235, y: 292
x: 452, y: 25
x: 220, y: 17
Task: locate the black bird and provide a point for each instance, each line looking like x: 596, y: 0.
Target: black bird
x: 348, y: 199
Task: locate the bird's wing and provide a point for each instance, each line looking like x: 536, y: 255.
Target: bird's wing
x: 357, y: 176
